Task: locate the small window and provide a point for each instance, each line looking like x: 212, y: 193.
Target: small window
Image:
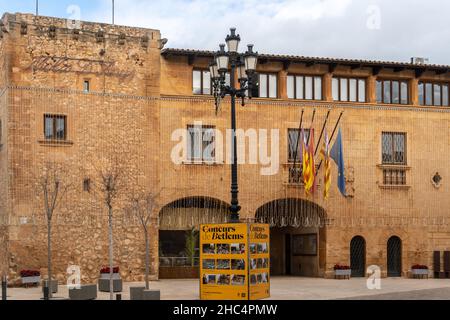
x: 392, y: 92
x: 304, y: 87
x: 55, y: 127
x: 201, y: 82
x: 87, y: 185
x: 394, y: 148
x: 86, y: 86
x: 201, y: 143
x: 433, y: 94
x: 294, y: 144
x: 349, y: 89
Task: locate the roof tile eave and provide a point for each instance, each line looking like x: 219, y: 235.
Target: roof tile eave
x: 207, y: 53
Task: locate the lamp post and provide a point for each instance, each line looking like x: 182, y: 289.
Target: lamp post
x: 245, y: 65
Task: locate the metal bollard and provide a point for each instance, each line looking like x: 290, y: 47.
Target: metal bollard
x: 4, y: 287
x: 46, y: 291
x: 118, y: 297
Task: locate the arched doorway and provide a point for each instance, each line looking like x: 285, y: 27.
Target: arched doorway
x: 178, y: 234
x: 358, y: 256
x: 394, y: 257
x: 297, y: 236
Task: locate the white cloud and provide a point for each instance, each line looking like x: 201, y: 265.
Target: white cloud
x: 336, y: 28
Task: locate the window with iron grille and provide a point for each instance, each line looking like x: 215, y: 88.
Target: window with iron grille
x: 55, y: 127
x: 295, y: 154
x: 394, y: 153
x: 201, y: 143
x: 294, y: 144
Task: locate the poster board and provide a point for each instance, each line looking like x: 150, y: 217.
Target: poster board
x: 225, y: 262
x: 259, y: 261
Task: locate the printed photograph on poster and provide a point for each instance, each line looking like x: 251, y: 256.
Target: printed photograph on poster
x: 223, y: 279
x: 223, y: 264
x: 253, y: 279
x: 223, y: 249
x: 253, y: 264
x: 259, y: 278
x: 238, y: 248
x: 264, y: 263
x: 253, y: 248
x: 259, y: 263
x: 264, y: 278
x: 209, y: 264
x: 237, y: 280
x: 209, y: 248
x: 238, y: 264
x: 262, y: 248
x: 209, y: 279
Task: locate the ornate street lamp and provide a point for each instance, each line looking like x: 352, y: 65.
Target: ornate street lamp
x: 245, y: 67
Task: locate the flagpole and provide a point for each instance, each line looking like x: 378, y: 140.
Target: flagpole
x: 312, y: 122
x: 298, y: 138
x: 113, y: 12
x: 332, y: 135
x: 37, y: 8
x: 321, y: 134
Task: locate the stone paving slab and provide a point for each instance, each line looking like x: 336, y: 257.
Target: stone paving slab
x: 282, y: 288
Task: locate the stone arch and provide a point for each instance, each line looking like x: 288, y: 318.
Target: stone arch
x: 189, y: 212
x: 298, y: 236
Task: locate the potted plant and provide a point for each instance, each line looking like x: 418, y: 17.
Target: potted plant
x: 342, y: 271
x: 104, y: 273
x: 30, y: 277
x: 103, y: 282
x: 419, y: 270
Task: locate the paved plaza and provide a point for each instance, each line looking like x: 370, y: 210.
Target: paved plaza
x: 286, y: 288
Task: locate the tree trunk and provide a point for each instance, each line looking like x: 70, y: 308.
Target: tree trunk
x: 111, y: 266
x: 49, y: 258
x: 147, y: 260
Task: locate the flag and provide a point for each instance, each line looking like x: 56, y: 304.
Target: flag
x: 312, y: 162
x: 337, y: 154
x: 325, y: 152
x: 308, y: 164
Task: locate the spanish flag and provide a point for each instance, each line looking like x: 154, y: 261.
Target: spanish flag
x: 325, y: 153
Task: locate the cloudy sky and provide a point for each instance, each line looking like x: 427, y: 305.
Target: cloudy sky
x: 367, y: 29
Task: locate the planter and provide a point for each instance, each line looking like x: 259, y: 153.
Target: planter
x: 116, y: 276
x: 139, y: 293
x: 85, y: 292
x: 420, y: 273
x: 103, y: 285
x: 136, y: 293
x: 31, y: 280
x: 343, y: 273
x: 53, y: 285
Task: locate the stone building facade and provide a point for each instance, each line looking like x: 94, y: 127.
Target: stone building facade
x: 122, y: 96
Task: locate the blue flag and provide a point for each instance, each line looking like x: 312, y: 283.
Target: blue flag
x: 337, y: 154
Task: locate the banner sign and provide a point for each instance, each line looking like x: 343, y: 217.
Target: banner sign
x: 226, y: 260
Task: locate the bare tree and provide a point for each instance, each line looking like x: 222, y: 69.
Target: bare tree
x: 52, y: 185
x: 142, y: 206
x: 111, y: 178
